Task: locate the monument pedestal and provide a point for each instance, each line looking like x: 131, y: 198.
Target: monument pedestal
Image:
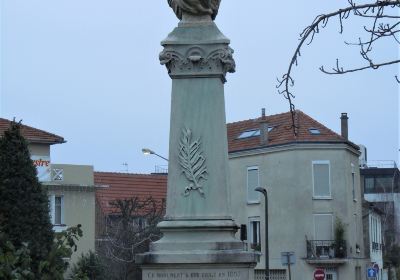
x: 198, y: 272
x: 198, y: 230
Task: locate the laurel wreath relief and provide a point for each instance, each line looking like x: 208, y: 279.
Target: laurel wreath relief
x: 192, y: 162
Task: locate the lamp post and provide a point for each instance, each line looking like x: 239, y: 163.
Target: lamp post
x: 264, y: 192
x: 147, y: 151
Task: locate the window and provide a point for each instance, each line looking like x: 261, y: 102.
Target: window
x: 323, y: 231
x: 323, y: 226
x: 380, y: 184
x: 331, y: 273
x: 252, y: 183
x: 252, y: 133
x: 353, y: 182
x: 321, y: 179
x: 57, y: 212
x: 254, y: 233
x: 369, y: 184
x: 314, y: 131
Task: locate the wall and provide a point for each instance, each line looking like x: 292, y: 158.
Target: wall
x: 78, y: 192
x: 39, y: 149
x: 287, y: 175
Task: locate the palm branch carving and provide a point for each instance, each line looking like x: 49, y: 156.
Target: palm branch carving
x: 192, y: 162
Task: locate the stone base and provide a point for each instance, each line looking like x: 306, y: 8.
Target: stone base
x: 198, y: 272
x: 197, y: 250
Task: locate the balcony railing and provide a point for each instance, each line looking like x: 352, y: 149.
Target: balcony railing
x: 377, y: 246
x: 326, y: 249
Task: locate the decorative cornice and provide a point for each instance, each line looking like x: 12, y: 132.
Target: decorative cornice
x: 205, y: 61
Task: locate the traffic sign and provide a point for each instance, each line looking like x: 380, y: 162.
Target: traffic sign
x: 371, y: 272
x: 319, y: 274
x: 288, y: 258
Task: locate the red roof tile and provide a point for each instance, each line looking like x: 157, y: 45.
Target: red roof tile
x: 281, y: 133
x: 126, y: 185
x: 33, y: 135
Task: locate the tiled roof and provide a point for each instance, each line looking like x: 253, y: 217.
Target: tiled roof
x: 281, y: 133
x: 113, y: 186
x: 33, y: 135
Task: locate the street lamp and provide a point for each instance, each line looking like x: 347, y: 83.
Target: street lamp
x: 264, y: 192
x: 147, y: 151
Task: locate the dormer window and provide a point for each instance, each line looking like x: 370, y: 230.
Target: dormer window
x: 314, y: 131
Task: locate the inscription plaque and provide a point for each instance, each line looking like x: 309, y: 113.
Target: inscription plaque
x: 196, y: 274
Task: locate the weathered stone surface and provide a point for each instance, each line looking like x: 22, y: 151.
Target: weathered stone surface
x: 197, y: 50
x: 195, y: 7
x: 223, y: 272
x: 198, y: 230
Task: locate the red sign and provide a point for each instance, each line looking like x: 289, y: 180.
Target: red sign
x: 319, y: 274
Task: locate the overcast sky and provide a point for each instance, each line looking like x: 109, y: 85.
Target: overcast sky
x: 89, y: 71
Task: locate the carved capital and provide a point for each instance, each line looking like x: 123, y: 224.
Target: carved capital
x: 198, y: 61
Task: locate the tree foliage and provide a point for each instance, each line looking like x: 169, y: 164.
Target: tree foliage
x: 24, y: 208
x: 88, y: 267
x: 14, y: 263
x: 383, y: 24
x: 56, y: 263
x: 29, y: 249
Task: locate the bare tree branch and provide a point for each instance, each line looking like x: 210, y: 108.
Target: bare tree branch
x: 128, y: 231
x: 340, y: 70
x: 376, y: 11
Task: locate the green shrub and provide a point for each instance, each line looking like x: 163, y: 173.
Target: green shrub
x: 88, y: 267
x: 15, y: 264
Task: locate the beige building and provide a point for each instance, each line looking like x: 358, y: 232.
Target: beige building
x: 71, y: 188
x: 312, y: 180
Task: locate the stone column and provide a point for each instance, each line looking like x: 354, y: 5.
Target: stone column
x: 198, y: 230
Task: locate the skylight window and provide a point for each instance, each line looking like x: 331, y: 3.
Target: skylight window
x: 252, y: 133
x: 249, y: 133
x: 314, y: 131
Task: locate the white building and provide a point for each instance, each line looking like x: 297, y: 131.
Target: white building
x: 312, y: 180
x: 373, y: 239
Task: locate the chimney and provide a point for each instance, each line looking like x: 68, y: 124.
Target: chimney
x: 263, y: 128
x: 345, y: 126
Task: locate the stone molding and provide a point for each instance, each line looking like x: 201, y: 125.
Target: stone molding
x: 201, y: 61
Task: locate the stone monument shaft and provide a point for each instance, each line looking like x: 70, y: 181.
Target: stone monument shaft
x: 197, y: 57
x: 198, y: 229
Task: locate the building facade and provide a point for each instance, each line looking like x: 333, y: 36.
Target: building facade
x: 312, y: 181
x: 373, y: 237
x: 380, y: 184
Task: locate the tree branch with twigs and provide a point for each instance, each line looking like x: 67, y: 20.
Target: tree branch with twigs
x: 385, y: 23
x: 128, y: 231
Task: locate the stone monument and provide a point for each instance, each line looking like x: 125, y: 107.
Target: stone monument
x: 198, y: 230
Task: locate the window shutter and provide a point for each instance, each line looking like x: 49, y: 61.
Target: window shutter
x: 323, y: 226
x: 252, y: 183
x: 321, y: 179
